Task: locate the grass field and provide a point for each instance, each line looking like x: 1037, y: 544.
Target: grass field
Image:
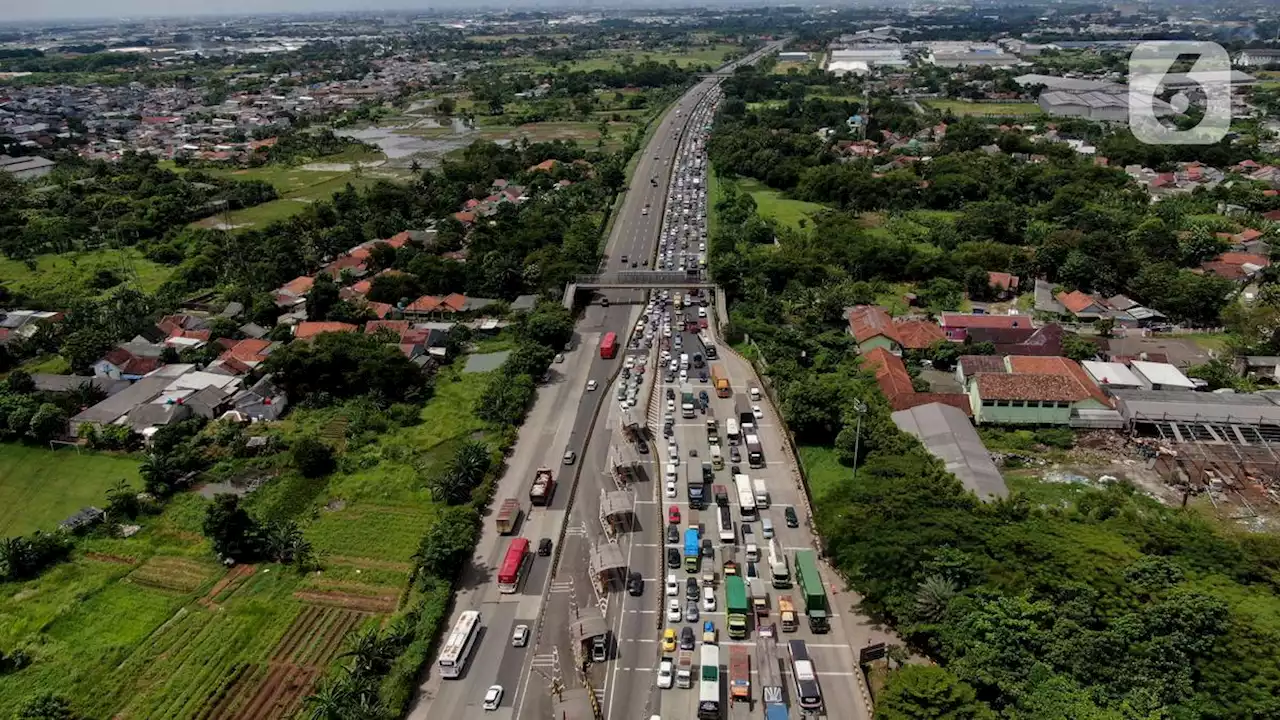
x: 39, y: 487
x: 712, y: 55
x: 823, y: 469
x: 303, y: 187
x: 773, y: 204
x: 584, y: 133
x: 959, y: 107
x: 153, y: 627
x: 56, y: 279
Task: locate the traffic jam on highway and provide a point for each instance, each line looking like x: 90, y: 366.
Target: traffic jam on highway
x: 721, y: 555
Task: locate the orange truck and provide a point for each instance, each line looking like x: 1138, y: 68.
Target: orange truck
x: 720, y: 380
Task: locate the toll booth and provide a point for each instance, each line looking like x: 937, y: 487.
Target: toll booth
x: 608, y: 567
x: 617, y: 512
x: 583, y: 631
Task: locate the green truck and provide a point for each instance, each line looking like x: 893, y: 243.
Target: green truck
x: 815, y: 596
x: 736, y: 596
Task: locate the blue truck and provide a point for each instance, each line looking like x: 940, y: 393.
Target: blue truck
x: 691, y: 550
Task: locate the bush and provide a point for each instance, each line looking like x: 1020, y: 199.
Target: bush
x: 1060, y: 438
x: 312, y: 457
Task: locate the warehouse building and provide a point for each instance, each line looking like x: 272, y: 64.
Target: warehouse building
x: 946, y: 432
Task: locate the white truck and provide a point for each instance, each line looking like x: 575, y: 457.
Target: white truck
x: 709, y: 686
x: 761, y: 492
x: 684, y: 669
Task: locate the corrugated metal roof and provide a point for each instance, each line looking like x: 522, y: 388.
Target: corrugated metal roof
x: 948, y: 434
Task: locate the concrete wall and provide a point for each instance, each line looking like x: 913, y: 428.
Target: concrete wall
x: 879, y: 341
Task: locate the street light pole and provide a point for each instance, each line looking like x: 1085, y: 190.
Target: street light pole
x: 860, y: 408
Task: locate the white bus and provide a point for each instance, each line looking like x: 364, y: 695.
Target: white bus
x: 808, y: 694
x: 746, y: 497
x: 731, y: 430
x: 457, y: 647
x: 725, y: 524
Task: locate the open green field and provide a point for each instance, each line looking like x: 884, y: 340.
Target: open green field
x: 308, y: 186
x: 773, y: 204
x: 959, y: 107
x: 58, y: 278
x: 823, y: 470
x: 584, y: 133
x: 40, y: 488
x: 712, y: 55
x: 153, y: 627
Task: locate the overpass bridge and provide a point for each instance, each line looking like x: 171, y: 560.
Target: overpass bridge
x: 635, y: 280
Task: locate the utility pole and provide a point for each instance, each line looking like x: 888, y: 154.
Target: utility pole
x: 860, y: 408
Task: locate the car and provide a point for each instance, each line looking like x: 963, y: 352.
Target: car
x: 671, y: 490
x: 708, y: 600
x: 769, y: 631
x: 669, y: 640
x: 671, y: 394
x: 673, y: 610
x: 569, y: 457
x: 600, y: 648
x: 792, y: 520
x: 642, y: 447
x: 544, y: 547
x: 644, y: 211
x: 673, y: 534
x: 755, y: 394
x: 747, y: 533
x: 673, y: 558
x: 691, y: 588
x: 591, y: 386
x: 708, y: 550
x: 686, y: 638
x: 666, y: 678
x: 493, y: 697
x: 624, y: 259
x: 734, y: 455
x: 709, y: 632
x: 704, y: 397
x: 520, y: 636
x: 671, y: 405
x: 751, y: 570
x: 702, y: 377
x: 635, y: 584
x: 559, y: 357
x: 755, y: 410
x: 673, y: 515
x: 691, y: 611
x: 735, y: 470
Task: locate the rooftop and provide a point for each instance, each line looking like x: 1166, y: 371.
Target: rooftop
x: 947, y: 433
x: 1029, y: 386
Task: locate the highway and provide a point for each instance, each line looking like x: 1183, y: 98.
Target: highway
x: 549, y: 430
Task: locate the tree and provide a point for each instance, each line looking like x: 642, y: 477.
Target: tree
x: 1078, y: 348
x: 464, y: 471
x: 122, y: 502
x: 19, y: 382
x: 935, y: 593
x: 48, y: 423
x: 445, y: 547
x: 1218, y: 373
x: 160, y: 474
x: 529, y: 359
x: 45, y: 706
x: 235, y: 536
x: 921, y: 692
x: 312, y: 457
x: 322, y: 297
x: 284, y: 542
x: 505, y: 399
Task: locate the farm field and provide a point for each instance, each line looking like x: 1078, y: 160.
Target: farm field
x: 40, y: 488
x: 959, y: 107
x: 153, y: 627
x: 307, y: 186
x: 56, y: 279
x: 584, y: 133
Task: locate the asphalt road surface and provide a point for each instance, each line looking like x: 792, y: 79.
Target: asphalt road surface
x: 524, y: 673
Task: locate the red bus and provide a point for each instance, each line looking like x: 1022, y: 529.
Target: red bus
x: 609, y: 345
x: 512, y: 569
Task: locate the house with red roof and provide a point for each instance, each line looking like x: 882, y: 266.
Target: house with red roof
x: 545, y: 166
x: 311, y: 328
x: 895, y: 383
x: 1050, y: 390
x: 1082, y: 306
x: 297, y: 287
x: 871, y: 327
x: 956, y: 326
x: 1236, y: 266
x: 1004, y: 284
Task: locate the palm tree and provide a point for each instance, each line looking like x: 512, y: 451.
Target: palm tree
x: 159, y: 473
x: 470, y: 462
x: 370, y: 655
x: 933, y: 596
x: 329, y: 701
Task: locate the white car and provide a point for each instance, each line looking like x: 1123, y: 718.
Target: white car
x: 674, y: 614
x: 671, y: 489
x: 520, y: 636
x: 493, y: 697
x: 666, y: 678
x: 684, y: 375
x: 755, y: 410
x: 671, y: 406
x: 591, y: 385
x: 673, y: 585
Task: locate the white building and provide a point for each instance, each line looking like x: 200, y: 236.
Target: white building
x: 862, y: 57
x: 1112, y: 375
x: 967, y: 54
x: 1258, y: 57
x: 1094, y: 105
x: 26, y: 168
x: 1160, y: 376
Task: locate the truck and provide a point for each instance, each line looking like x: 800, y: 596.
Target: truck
x: 508, y: 516
x: 697, y: 490
x: 544, y: 486
x: 755, y: 453
x: 761, y: 492
x: 770, y: 679
x: 746, y: 418
x: 739, y: 673
x: 684, y: 669
x: 720, y: 381
x: 691, y: 549
x: 721, y: 494
x: 713, y: 432
x: 787, y: 612
x: 709, y: 686
x: 735, y: 592
x: 779, y: 574
x: 687, y: 406
x: 759, y: 601
x: 815, y: 596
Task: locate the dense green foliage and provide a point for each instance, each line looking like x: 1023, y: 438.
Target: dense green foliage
x: 337, y: 366
x: 1107, y: 608
x: 119, y: 203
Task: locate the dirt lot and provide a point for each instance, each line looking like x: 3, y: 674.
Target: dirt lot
x: 1182, y: 352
